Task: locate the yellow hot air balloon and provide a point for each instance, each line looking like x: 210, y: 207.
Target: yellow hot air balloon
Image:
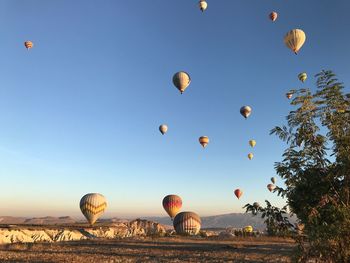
x: 28, y: 44
x: 203, y: 5
x: 93, y: 206
x: 252, y: 143
x: 245, y: 111
x: 181, y: 80
x: 248, y: 229
x: 295, y: 39
x: 172, y: 205
x: 163, y: 128
x: 187, y: 223
x: 302, y: 77
x: 250, y: 156
x: 204, y: 140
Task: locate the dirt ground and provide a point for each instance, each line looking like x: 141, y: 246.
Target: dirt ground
x: 167, y: 249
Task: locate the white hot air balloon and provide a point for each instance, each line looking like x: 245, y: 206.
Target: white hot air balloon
x: 93, y: 206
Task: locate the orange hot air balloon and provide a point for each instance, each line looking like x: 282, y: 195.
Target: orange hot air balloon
x: 204, y: 140
x: 271, y: 187
x: 273, y: 16
x: 172, y: 205
x: 28, y: 44
x: 238, y: 193
x: 289, y: 95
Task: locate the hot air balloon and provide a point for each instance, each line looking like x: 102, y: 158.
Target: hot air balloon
x: 302, y: 76
x: 252, y: 143
x: 204, y: 140
x: 248, y: 229
x: 163, y: 128
x: 203, y: 5
x: 181, y: 81
x: 93, y: 206
x: 273, y: 180
x: 273, y: 16
x: 187, y: 223
x: 289, y: 95
x: 250, y: 156
x: 238, y: 193
x: 295, y: 39
x: 172, y: 205
x: 245, y: 111
x: 271, y: 187
x: 256, y: 205
x: 28, y: 44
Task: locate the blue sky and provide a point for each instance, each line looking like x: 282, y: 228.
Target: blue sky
x: 80, y: 111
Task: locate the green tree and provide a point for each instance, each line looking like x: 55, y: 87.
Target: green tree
x: 316, y: 168
x: 276, y: 219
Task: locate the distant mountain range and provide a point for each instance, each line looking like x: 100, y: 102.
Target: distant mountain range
x: 236, y: 220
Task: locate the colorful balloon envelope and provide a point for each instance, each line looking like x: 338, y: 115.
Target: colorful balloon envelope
x: 289, y: 95
x: 273, y: 16
x: 250, y: 156
x: 163, y: 128
x: 187, y: 223
x: 93, y: 206
x: 252, y: 143
x: 181, y: 81
x: 273, y: 180
x: 28, y: 44
x: 295, y: 39
x: 172, y: 205
x: 271, y: 187
x: 245, y: 111
x: 203, y: 5
x: 248, y: 229
x: 204, y: 140
x: 238, y: 193
x: 302, y: 77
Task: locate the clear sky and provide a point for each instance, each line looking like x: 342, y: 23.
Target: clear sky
x: 80, y: 111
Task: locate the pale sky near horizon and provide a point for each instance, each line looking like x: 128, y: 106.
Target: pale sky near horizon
x: 80, y: 111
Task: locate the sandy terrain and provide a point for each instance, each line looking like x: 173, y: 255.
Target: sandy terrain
x: 167, y: 249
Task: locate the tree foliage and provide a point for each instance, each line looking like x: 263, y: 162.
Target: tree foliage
x: 316, y: 168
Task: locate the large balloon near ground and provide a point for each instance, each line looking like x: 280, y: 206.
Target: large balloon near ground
x: 273, y: 16
x: 187, y: 223
x: 271, y: 187
x: 295, y: 39
x: 238, y: 193
x: 204, y: 140
x: 181, y: 80
x: 28, y: 44
x: 245, y: 111
x: 93, y: 206
x: 163, y: 128
x: 203, y: 5
x: 172, y: 205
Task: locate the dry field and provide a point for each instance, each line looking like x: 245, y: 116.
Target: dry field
x: 175, y: 249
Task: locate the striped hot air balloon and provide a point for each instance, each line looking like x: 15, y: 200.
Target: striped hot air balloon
x: 295, y: 39
x: 302, y: 76
x: 273, y: 16
x: 204, y: 140
x: 28, y: 44
x: 172, y: 205
x: 187, y: 223
x: 93, y: 206
x: 181, y: 80
x: 203, y: 5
